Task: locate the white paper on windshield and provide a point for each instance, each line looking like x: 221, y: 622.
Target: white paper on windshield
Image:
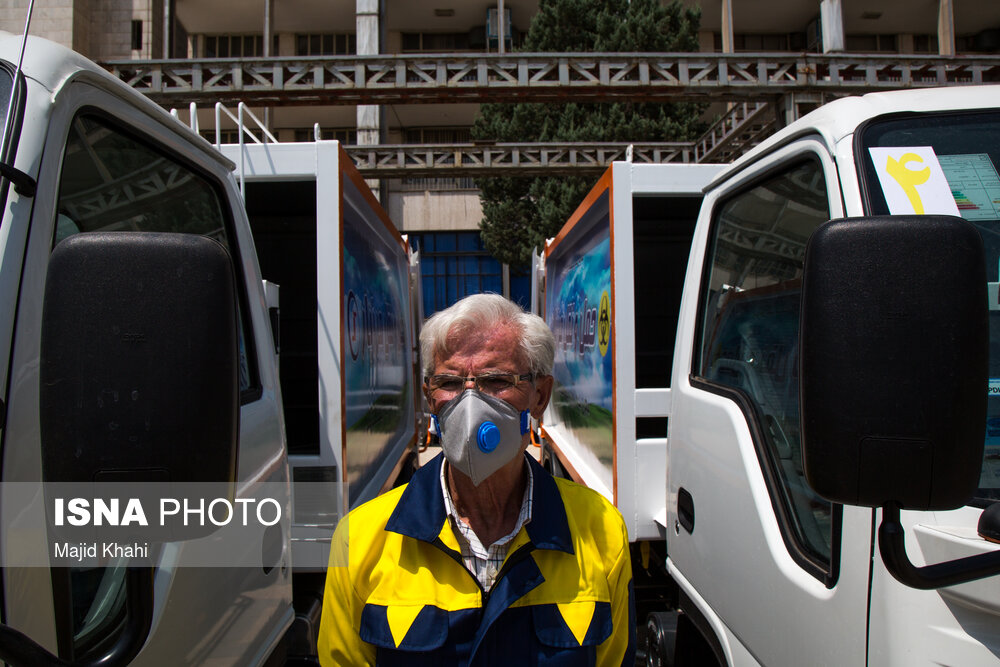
x: 993, y: 300
x: 989, y: 478
x: 974, y: 185
x: 913, y: 181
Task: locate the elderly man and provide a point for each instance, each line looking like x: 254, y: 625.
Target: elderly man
x: 483, y: 558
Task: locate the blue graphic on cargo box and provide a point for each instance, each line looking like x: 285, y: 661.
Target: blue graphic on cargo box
x: 579, y: 311
x: 377, y: 386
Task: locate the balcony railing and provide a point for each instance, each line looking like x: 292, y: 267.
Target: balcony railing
x: 540, y: 77
x: 528, y: 159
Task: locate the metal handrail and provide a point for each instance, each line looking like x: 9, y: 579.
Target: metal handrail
x: 535, y: 77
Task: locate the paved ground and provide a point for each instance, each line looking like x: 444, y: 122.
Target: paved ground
x: 429, y: 453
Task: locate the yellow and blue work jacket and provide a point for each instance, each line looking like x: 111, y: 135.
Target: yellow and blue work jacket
x: 398, y: 593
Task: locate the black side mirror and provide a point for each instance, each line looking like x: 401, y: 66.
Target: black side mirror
x: 893, y: 361
x: 893, y: 373
x: 139, y: 384
x: 139, y: 366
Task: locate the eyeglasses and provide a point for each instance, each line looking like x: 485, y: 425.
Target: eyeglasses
x: 493, y: 384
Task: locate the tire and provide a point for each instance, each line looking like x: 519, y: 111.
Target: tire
x: 661, y: 636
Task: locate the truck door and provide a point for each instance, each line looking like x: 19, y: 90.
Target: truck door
x: 770, y: 572
x: 109, y: 165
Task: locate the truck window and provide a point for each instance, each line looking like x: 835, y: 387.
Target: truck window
x: 6, y: 83
x: 967, y: 148
x: 749, y: 335
x: 111, y: 181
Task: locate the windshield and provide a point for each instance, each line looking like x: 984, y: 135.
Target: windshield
x: 954, y: 159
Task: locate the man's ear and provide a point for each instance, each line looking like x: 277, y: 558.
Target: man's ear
x: 541, y: 396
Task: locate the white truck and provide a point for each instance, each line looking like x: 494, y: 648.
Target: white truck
x: 776, y: 481
x: 137, y: 352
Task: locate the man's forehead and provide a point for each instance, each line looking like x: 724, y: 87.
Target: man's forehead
x: 498, y: 346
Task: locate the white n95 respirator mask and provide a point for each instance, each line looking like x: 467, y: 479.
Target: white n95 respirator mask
x: 479, y: 433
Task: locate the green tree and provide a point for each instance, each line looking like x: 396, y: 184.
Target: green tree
x: 520, y: 213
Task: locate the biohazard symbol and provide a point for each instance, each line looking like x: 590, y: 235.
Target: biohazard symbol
x: 604, y: 324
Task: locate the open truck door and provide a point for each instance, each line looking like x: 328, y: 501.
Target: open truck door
x: 612, y: 288
x: 98, y: 368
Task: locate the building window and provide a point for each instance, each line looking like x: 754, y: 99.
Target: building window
x: 454, y: 265
x: 756, y: 43
x: 925, y: 44
x: 232, y: 136
x: 418, y: 41
x: 136, y: 35
x: 759, y: 43
x: 233, y: 46
x: 475, y: 39
x: 346, y: 136
x: 871, y: 43
x: 985, y: 41
x: 437, y: 135
x: 328, y: 44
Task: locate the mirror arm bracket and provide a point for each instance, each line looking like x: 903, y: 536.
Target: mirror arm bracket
x: 891, y: 543
x: 24, y: 185
x: 17, y: 648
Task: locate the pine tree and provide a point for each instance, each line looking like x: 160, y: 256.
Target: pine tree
x: 520, y: 213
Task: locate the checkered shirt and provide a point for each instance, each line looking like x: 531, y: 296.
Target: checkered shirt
x: 483, y: 562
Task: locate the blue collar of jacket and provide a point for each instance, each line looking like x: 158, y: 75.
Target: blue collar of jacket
x: 420, y: 512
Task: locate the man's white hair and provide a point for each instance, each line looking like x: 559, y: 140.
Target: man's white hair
x: 482, y: 312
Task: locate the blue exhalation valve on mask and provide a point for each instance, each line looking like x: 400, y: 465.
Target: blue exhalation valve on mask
x: 488, y: 437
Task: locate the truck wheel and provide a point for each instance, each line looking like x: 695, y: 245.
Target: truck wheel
x: 661, y: 636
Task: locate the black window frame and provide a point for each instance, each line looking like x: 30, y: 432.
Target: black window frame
x: 14, y: 118
x: 136, y: 34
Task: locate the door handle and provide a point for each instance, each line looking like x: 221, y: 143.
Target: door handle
x: 685, y: 509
